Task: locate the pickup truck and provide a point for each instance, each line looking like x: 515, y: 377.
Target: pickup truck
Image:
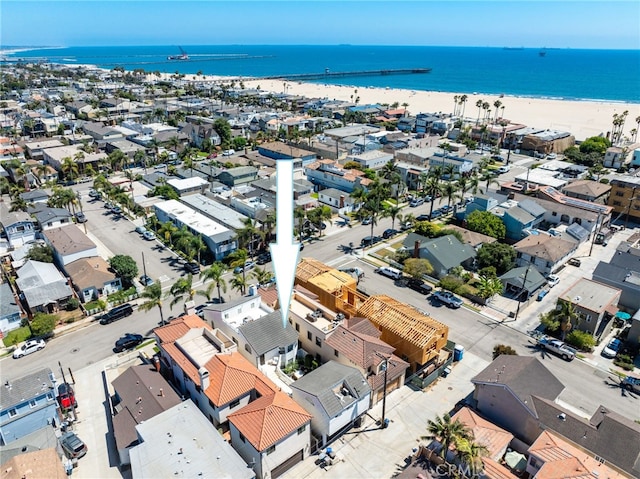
x: 557, y: 347
x: 631, y: 384
x: 448, y: 298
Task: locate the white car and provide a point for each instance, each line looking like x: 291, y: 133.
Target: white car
x: 28, y: 347
x: 552, y: 280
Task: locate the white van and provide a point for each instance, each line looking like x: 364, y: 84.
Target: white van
x: 504, y: 169
x: 389, y: 272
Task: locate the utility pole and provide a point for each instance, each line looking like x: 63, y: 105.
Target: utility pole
x: 384, y: 423
x: 524, y: 285
x: 595, y: 233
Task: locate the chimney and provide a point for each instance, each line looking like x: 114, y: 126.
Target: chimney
x: 204, y: 378
x: 416, y: 249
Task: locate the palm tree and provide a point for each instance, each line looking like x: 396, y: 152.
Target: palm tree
x: 238, y: 259
x: 182, y: 289
x: 167, y: 230
x: 496, y: 104
x: 450, y: 191
x: 463, y: 102
x: 422, y: 180
x: 262, y: 275
x: 299, y: 214
x: 359, y: 195
x: 246, y: 235
x: 433, y: 189
x: 567, y: 315
x: 20, y: 204
x: 447, y: 432
x: 153, y: 295
x: 198, y: 245
x: 471, y: 453
x: 215, y: 273
x: 479, y: 104
x: 390, y: 211
x: 485, y: 107
x: 239, y: 282
x: 489, y: 180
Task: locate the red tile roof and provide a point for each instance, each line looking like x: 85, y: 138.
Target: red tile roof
x: 179, y: 327
x: 269, y: 419
x: 231, y: 376
x: 493, y: 437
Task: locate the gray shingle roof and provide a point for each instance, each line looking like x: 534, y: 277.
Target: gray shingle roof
x: 8, y: 305
x: 25, y: 388
x: 523, y: 376
x: 266, y: 333
x: 516, y: 277
x: 42, y: 283
x: 327, y: 382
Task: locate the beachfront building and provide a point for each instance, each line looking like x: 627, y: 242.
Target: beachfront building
x: 625, y: 197
x: 219, y: 239
x: 330, y: 174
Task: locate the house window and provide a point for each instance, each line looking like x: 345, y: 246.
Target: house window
x: 49, y: 397
x: 555, y: 213
x: 281, y: 350
x: 271, y: 449
x: 290, y: 348
x: 302, y: 429
x: 335, y: 353
x: 587, y: 318
x: 33, y: 403
x: 318, y: 341
x: 619, y: 193
x: 226, y: 315
x: 309, y: 335
x: 247, y: 348
x: 242, y: 438
x: 234, y: 403
x: 617, y: 203
x: 234, y: 340
x: 13, y: 412
x: 297, y: 327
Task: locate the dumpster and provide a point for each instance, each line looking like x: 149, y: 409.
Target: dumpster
x: 458, y: 353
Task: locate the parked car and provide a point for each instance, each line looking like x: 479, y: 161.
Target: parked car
x: 80, y: 217
x: 367, y: 220
x: 264, y: 258
x: 248, y: 265
x: 416, y: 202
x: 94, y: 193
x: 228, y: 152
x: 503, y: 169
x: 146, y: 280
x: 149, y: 235
x: 117, y: 313
x: 436, y: 214
x: 448, y: 298
x: 66, y: 396
x: 30, y: 346
x: 497, y: 157
x: 611, y: 349
x: 419, y: 286
x: 422, y: 218
x: 116, y: 210
x: 192, y: 267
x: 574, y: 262
x: 140, y: 229
x: 552, y: 280
x: 631, y: 384
x: 552, y: 156
x: 542, y: 294
x: 389, y: 272
x: 388, y: 233
x: 370, y: 241
x: 72, y: 445
x: 406, y: 226
x: 128, y: 341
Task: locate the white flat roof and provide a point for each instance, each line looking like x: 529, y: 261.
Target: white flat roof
x: 187, y: 183
x: 196, y: 221
x: 541, y: 177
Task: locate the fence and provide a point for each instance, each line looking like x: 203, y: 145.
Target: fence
x: 110, y: 304
x: 421, y: 379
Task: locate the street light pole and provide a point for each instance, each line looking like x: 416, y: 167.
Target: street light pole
x: 384, y: 391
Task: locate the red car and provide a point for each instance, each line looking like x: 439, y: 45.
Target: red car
x: 66, y: 396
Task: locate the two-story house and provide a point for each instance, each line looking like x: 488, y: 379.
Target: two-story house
x: 27, y: 404
x: 335, y: 395
x: 547, y: 253
x: 17, y: 225
x: 595, y: 304
x: 526, y: 215
x: 625, y: 196
x: 48, y: 218
x: 330, y: 174
x: 623, y: 272
x: 239, y: 175
x: 69, y: 244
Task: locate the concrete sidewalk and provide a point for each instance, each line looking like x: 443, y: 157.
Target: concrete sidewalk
x: 371, y: 452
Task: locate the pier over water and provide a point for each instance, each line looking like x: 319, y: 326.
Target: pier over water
x: 330, y: 74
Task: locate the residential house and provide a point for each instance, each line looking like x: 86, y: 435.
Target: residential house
x: 17, y: 225
x: 480, y: 202
x: 339, y: 201
x: 330, y: 174
x: 301, y: 188
x: 584, y: 212
x: 43, y: 287
x: 596, y: 304
x: 266, y: 340
x: 504, y: 393
x: 48, y: 218
x: 552, y: 456
x: 459, y: 166
x: 36, y: 148
x: 588, y: 190
x: 278, y: 150
x: 336, y: 396
x: 69, y: 244
x: 356, y: 343
x: 547, y: 253
x: 128, y: 148
x: 547, y: 141
x: 444, y: 253
x: 10, y: 310
x: 472, y: 238
x: 180, y: 438
x: 239, y: 175
x: 615, y: 157
x: 27, y: 404
x: 188, y: 186
x: 372, y: 159
x: 140, y: 393
x: 522, y: 281
x: 219, y: 239
x: 623, y: 273
x: 526, y: 215
x: 56, y: 157
x: 100, y: 133
x: 9, y: 149
x: 264, y: 423
x: 606, y: 437
x: 34, y: 464
x: 35, y: 197
x: 495, y: 439
x: 625, y: 197
x: 92, y: 278
x: 215, y: 210
x: 197, y: 134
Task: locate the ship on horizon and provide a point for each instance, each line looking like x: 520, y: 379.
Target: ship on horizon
x: 183, y: 55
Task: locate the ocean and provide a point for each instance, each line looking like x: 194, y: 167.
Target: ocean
x: 600, y: 75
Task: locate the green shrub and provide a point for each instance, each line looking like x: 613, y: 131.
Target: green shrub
x: 43, y: 324
x: 500, y: 349
x: 17, y: 336
x: 72, y: 304
x: 451, y: 283
x: 581, y: 340
x: 624, y: 361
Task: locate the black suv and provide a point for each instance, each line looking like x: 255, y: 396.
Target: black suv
x: 389, y: 233
x: 419, y: 286
x: 264, y: 258
x: 128, y: 341
x: 192, y: 267
x: 116, y: 313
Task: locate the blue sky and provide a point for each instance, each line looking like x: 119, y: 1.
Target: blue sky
x: 574, y: 24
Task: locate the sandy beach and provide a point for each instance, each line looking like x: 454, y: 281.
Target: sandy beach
x: 582, y: 118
